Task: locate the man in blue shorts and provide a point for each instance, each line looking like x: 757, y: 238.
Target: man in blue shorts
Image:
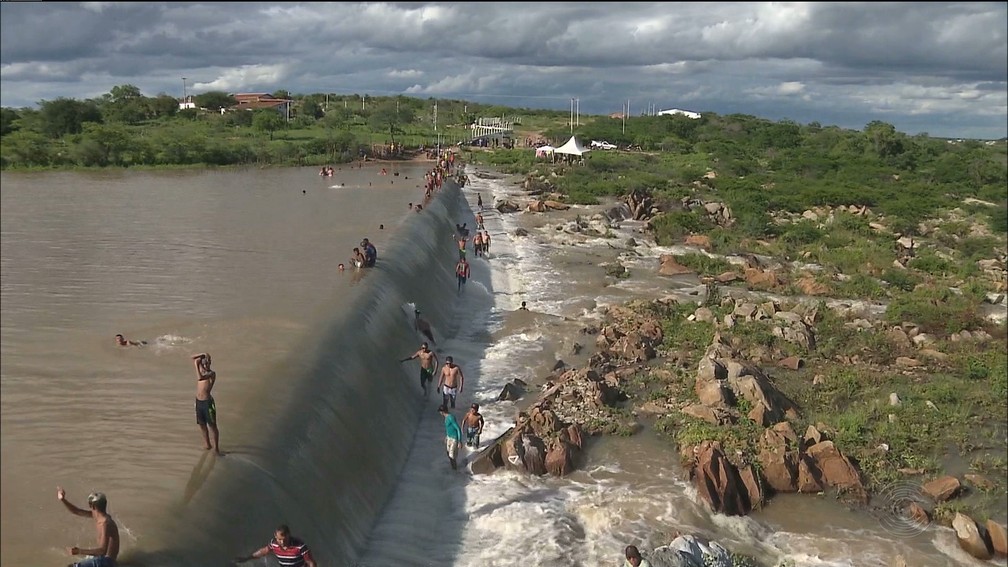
x: 473, y: 423
x: 206, y: 410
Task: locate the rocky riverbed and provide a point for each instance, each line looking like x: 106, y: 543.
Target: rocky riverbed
x: 766, y: 384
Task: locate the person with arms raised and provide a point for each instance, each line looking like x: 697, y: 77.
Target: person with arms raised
x: 108, y: 532
x: 206, y: 409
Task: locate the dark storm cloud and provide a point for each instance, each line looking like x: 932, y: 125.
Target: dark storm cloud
x: 910, y: 64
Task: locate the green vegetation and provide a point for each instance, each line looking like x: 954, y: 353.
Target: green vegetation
x: 949, y: 406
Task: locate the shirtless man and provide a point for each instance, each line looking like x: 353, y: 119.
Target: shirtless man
x: 477, y: 243
x: 206, y: 410
x: 428, y: 365
x: 479, y: 220
x: 473, y: 424
x: 108, y: 532
x: 462, y: 247
x: 451, y: 381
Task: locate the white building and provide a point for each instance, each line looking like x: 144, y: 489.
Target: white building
x: 674, y: 111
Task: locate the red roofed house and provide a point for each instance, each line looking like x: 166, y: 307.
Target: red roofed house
x: 256, y: 101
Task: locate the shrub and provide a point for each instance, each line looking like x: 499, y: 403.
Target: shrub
x: 935, y: 310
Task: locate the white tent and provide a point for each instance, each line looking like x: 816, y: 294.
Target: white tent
x: 543, y: 151
x: 572, y: 147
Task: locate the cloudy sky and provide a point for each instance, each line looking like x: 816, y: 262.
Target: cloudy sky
x: 935, y: 67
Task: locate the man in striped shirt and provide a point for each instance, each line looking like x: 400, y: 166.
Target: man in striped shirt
x: 290, y: 551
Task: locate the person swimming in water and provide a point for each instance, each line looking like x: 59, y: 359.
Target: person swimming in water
x: 122, y: 341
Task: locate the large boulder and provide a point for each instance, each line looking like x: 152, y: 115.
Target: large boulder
x: 668, y: 266
x: 506, y: 206
x: 969, y: 537
x: 490, y: 458
x: 717, y: 481
x: 998, y: 538
x: 942, y: 488
x: 835, y: 469
x: 559, y: 459
x: 779, y: 458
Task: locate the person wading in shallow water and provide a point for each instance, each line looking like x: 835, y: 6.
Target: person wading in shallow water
x: 473, y: 422
x: 451, y: 381
x: 428, y: 365
x: 462, y: 273
x: 289, y: 550
x: 453, y: 435
x: 108, y: 532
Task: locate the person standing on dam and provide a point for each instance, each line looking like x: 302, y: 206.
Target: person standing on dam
x: 450, y: 383
x: 428, y: 365
x: 453, y: 435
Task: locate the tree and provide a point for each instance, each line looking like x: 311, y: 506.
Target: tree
x: 215, y: 100
x: 103, y: 144
x: 7, y: 118
x: 337, y: 117
x: 163, y: 105
x: 387, y: 117
x: 267, y: 121
x: 66, y: 116
x: 123, y: 93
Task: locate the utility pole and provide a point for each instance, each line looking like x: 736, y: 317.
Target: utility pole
x: 287, y: 105
x: 362, y: 102
x: 577, y: 111
x: 184, y: 91
x: 626, y: 108
x: 436, y: 133
x: 572, y: 116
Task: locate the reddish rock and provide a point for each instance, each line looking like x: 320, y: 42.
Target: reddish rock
x: 699, y: 240
x: 835, y: 469
x: 718, y: 483
x: 979, y: 481
x: 809, y: 286
x: 669, y: 267
x: 753, y: 486
x: 917, y: 514
x: 809, y: 477
x: 726, y: 277
x: 778, y: 461
x: 942, y: 488
x: 559, y: 461
x: 792, y: 363
x: 761, y: 279
x: 573, y: 435
x: 998, y: 538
